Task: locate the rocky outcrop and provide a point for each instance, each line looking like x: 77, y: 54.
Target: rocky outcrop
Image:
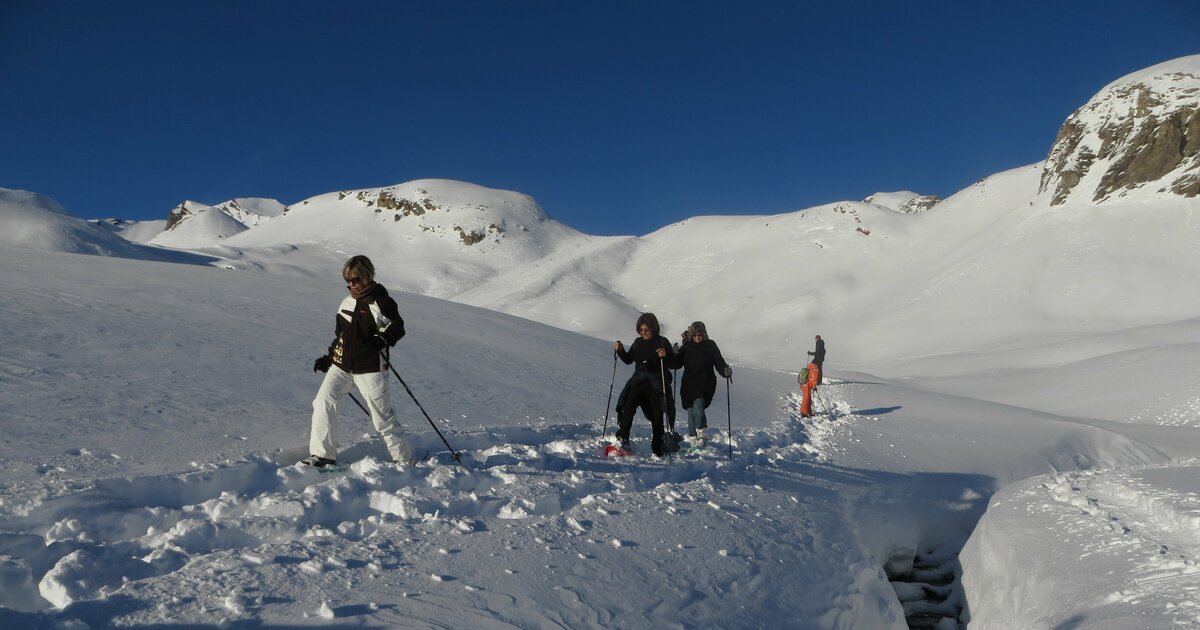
x: 919, y: 204
x: 1140, y: 132
x: 406, y: 207
x: 178, y: 215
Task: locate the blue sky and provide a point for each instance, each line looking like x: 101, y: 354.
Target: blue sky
x: 618, y: 117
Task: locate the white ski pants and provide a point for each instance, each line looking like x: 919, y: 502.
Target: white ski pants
x: 374, y: 387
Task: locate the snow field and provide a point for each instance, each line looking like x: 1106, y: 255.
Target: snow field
x: 1140, y: 523
x: 718, y: 539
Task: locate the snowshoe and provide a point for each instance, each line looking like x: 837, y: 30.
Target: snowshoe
x: 621, y: 448
x: 317, y: 461
x: 442, y: 458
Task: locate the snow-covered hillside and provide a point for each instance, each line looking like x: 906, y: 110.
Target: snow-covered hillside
x: 153, y: 415
x: 32, y: 221
x: 1019, y: 258
x: 1139, y: 137
x: 193, y: 225
x: 1007, y: 437
x: 133, y: 231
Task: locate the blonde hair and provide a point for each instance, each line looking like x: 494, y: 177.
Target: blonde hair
x: 360, y: 265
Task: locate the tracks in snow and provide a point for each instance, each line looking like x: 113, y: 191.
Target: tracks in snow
x: 1134, y: 513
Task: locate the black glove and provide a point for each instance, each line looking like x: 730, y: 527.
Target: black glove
x: 322, y: 363
x: 727, y: 372
x: 377, y: 343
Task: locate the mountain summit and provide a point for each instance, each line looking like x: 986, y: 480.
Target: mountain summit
x: 1140, y: 132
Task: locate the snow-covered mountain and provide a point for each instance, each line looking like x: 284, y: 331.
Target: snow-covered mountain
x: 860, y: 273
x: 154, y: 413
x: 1015, y: 448
x: 903, y: 201
x: 133, y: 231
x: 252, y: 211
x: 32, y: 221
x: 1140, y: 133
x: 193, y: 225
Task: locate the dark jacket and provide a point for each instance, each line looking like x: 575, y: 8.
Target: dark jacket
x: 699, y: 380
x: 365, y: 327
x: 819, y: 352
x: 644, y: 355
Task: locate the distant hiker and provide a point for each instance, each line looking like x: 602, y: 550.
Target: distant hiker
x: 368, y: 323
x: 818, y: 356
x: 809, y: 378
x: 700, y: 357
x: 651, y: 353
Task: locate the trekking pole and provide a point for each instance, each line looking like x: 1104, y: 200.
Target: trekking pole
x: 666, y: 415
x: 453, y: 452
x: 729, y: 418
x: 662, y: 368
x: 674, y: 389
x: 607, y: 407
x: 820, y: 398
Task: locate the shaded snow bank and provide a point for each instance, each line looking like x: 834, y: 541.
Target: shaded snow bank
x: 1103, y: 549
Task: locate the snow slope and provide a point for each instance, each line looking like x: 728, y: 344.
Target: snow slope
x: 993, y: 264
x: 133, y: 231
x: 152, y: 418
x: 32, y: 221
x: 446, y: 236
x: 1038, y: 252
x: 1124, y: 555
x: 1007, y: 437
x: 194, y: 224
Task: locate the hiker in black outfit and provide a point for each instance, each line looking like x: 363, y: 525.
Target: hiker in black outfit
x: 818, y: 356
x: 700, y: 356
x: 651, y: 353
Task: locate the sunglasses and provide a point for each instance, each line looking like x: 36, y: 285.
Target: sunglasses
x: 643, y: 330
x: 353, y: 280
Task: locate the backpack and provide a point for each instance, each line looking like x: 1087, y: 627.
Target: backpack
x: 803, y: 376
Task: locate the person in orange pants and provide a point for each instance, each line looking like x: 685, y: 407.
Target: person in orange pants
x: 807, y: 386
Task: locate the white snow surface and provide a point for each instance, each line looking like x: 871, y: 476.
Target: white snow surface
x: 891, y: 200
x: 154, y: 413
x: 1010, y: 396
x: 854, y: 272
x: 32, y: 221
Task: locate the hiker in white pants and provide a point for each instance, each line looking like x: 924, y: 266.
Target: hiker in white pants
x: 368, y: 323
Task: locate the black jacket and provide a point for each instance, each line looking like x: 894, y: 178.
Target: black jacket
x: 819, y: 352
x: 647, y: 368
x: 365, y: 327
x: 699, y: 380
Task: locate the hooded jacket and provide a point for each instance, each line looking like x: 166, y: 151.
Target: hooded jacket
x: 699, y: 380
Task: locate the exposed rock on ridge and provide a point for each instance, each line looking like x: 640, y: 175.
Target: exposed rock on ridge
x: 1140, y: 131
x: 919, y: 204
